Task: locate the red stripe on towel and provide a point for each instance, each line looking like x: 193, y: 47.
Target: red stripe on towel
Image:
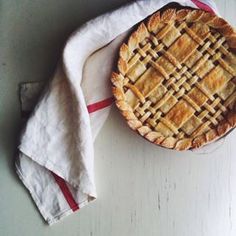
x: 61, y: 182
x: 100, y: 105
x: 203, y: 6
x: 66, y: 192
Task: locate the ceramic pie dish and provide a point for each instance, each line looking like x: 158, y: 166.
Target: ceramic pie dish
x: 175, y: 82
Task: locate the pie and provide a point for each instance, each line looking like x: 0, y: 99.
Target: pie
x: 175, y: 81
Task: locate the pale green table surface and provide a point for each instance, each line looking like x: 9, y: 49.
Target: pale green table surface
x: 166, y: 193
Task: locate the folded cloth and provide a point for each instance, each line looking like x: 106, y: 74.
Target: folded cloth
x: 56, y: 154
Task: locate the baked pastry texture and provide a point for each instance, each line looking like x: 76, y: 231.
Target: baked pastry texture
x: 175, y: 82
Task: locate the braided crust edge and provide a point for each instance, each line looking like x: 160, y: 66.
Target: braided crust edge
x: 124, y: 55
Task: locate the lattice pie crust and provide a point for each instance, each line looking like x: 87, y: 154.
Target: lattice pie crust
x: 176, y: 79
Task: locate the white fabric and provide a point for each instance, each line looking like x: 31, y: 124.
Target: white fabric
x: 60, y: 132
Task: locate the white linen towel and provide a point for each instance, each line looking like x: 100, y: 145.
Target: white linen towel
x: 56, y: 158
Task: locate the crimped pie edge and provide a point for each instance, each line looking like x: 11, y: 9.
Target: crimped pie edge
x: 138, y: 36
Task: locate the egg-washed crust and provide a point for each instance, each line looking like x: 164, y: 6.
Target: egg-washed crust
x: 127, y: 50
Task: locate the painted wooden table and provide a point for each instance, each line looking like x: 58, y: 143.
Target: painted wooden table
x: 142, y: 189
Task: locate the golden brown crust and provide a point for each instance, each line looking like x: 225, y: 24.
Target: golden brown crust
x: 124, y: 52
x: 183, y: 144
x: 171, y: 133
x: 153, y: 22
x: 122, y: 66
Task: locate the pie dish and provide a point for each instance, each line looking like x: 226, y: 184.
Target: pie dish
x: 175, y: 81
